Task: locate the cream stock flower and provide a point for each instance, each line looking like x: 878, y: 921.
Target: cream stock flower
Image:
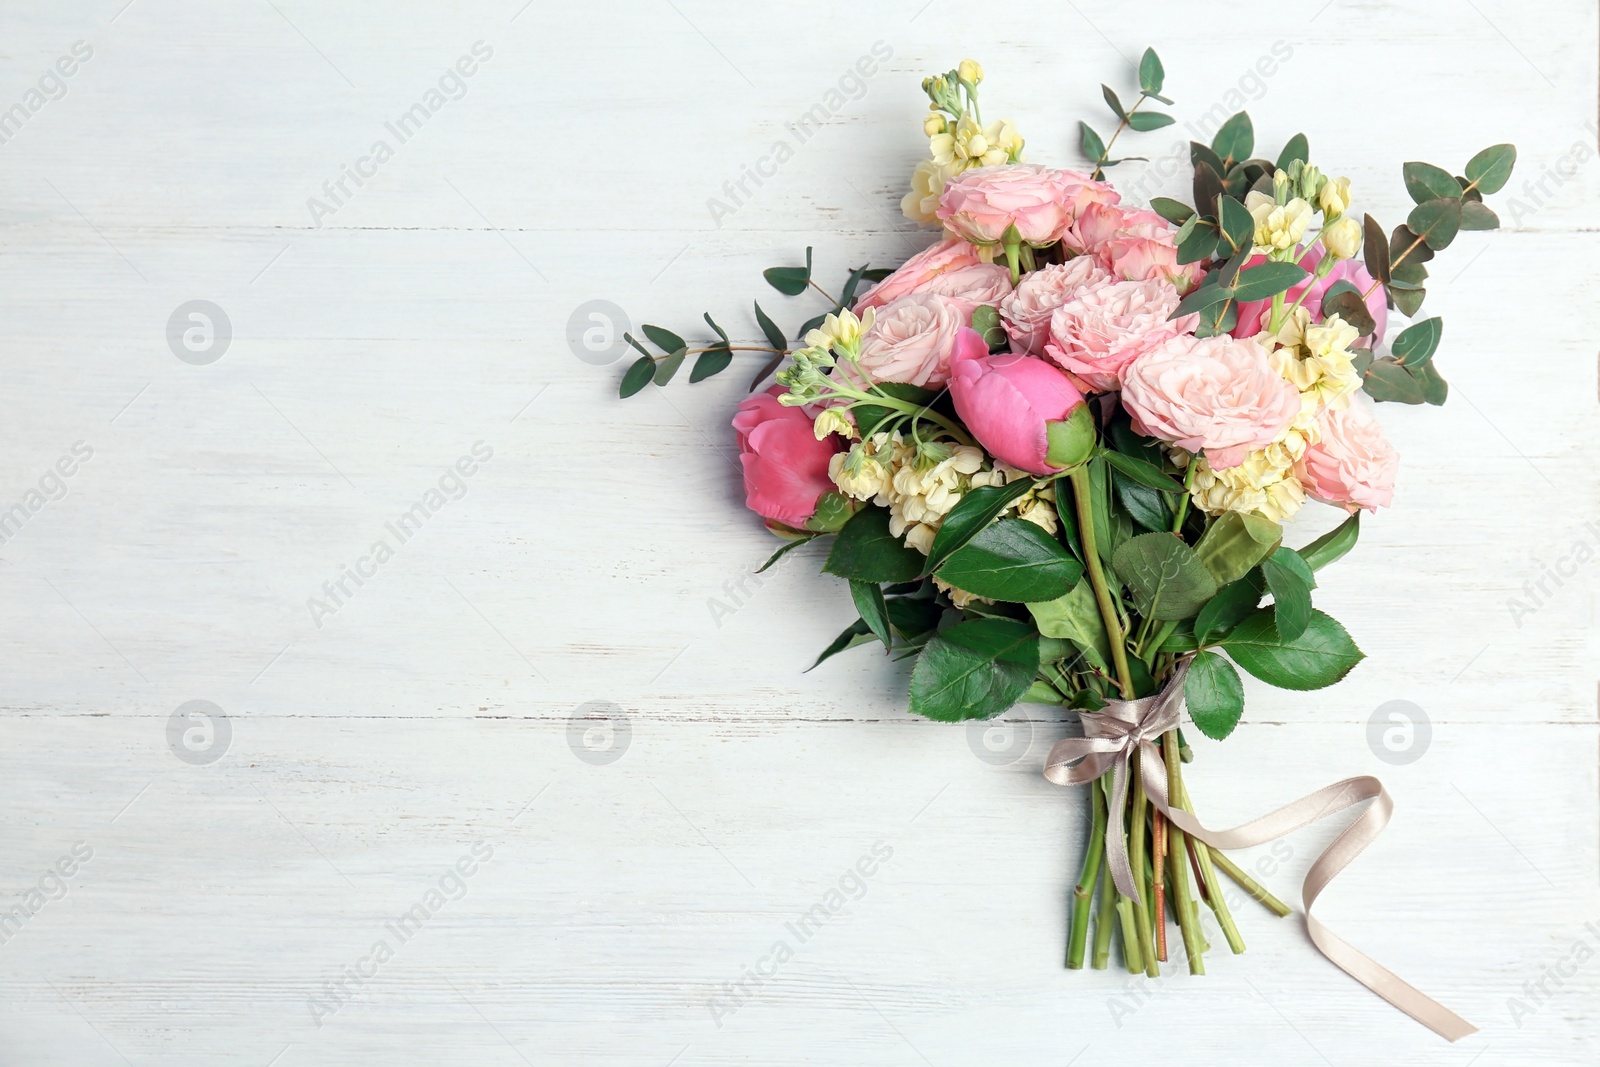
x: 1334, y: 199
x: 1342, y: 238
x: 1264, y: 483
x: 832, y: 420
x: 1279, y: 227
x: 921, y: 204
x: 1316, y: 359
x: 842, y: 332
x: 933, y: 125
x: 971, y: 145
x: 970, y: 72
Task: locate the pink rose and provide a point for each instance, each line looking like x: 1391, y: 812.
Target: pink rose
x: 1254, y: 315
x: 1018, y: 407
x: 1133, y: 245
x: 952, y: 253
x: 911, y: 338
x: 1218, y: 394
x: 785, y: 466
x: 1025, y: 314
x: 1096, y: 335
x: 982, y: 283
x: 981, y: 204
x: 1353, y: 466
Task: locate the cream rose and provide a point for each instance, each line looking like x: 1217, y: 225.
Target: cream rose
x: 1215, y: 394
x: 1106, y: 327
x: 1025, y: 314
x: 1353, y: 466
x: 911, y: 339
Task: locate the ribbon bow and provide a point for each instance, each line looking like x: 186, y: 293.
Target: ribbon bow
x: 1112, y: 735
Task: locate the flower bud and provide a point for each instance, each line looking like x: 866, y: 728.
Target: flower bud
x: 970, y: 73
x: 933, y: 125
x: 1022, y: 410
x: 1334, y: 197
x: 1311, y: 183
x: 1342, y: 237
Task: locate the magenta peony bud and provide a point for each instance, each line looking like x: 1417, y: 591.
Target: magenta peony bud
x: 1022, y: 410
x: 785, y: 466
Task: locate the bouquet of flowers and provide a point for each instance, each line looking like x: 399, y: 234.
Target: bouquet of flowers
x: 1056, y: 452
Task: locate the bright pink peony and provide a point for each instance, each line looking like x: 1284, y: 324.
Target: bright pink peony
x: 950, y: 254
x: 1353, y: 466
x: 785, y: 466
x: 1254, y: 315
x: 911, y: 339
x: 1106, y: 327
x: 1218, y: 394
x: 1009, y: 400
x: 981, y: 204
x: 1025, y: 314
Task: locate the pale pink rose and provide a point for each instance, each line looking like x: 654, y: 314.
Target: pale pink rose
x: 911, y: 340
x: 982, y: 283
x: 1217, y: 394
x: 1098, y: 333
x: 1132, y: 245
x: 1353, y: 466
x: 952, y: 253
x: 981, y: 204
x: 1025, y: 314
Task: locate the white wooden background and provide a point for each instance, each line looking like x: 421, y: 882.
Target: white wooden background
x: 439, y: 708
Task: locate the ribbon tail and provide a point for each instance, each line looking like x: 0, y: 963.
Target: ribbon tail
x: 1335, y: 858
x: 1116, y: 839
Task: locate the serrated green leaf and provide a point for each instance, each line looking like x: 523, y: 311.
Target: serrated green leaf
x: 1012, y: 560
x: 1233, y: 604
x: 974, y: 670
x: 1318, y: 658
x: 1146, y: 506
x: 857, y: 633
x: 1333, y: 545
x: 865, y: 550
x: 1075, y: 617
x: 1214, y: 695
x: 1235, y: 542
x: 1166, y: 577
x: 1290, y: 582
x: 976, y: 509
x: 868, y: 598
x: 788, y: 546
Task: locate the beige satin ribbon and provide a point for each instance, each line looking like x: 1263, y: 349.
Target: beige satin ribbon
x: 1111, y: 737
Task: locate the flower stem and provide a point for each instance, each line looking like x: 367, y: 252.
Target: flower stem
x: 1083, y: 893
x: 1081, y: 494
x: 1158, y: 835
x: 1136, y: 859
x: 1105, y: 914
x: 1248, y: 884
x: 1182, y: 900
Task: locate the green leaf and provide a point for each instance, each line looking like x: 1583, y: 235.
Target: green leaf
x: 1267, y: 280
x: 1476, y: 216
x: 986, y: 321
x: 857, y: 633
x: 1233, y: 604
x: 1145, y: 121
x: 665, y: 340
x: 1297, y: 148
x: 1204, y: 296
x: 789, y: 546
x: 1199, y: 242
x: 1075, y: 617
x: 1417, y: 343
x: 975, y: 510
x: 1142, y: 472
x: 848, y: 296
x: 914, y: 616
x: 1408, y: 276
x: 1343, y: 298
x: 1387, y: 380
x: 1151, y: 73
x: 720, y: 332
x: 1147, y: 506
x: 1218, y: 319
x: 790, y: 281
x: 1319, y: 657
x: 1113, y: 102
x: 766, y: 370
x: 1235, y: 139
x: 868, y: 597
x: 711, y: 361
x: 1436, y: 221
x: 1332, y: 545
x: 1166, y: 576
x: 1375, y: 249
x: 775, y: 336
x: 1238, y: 226
x: 974, y: 670
x: 1236, y: 542
x: 1094, y: 149
x: 669, y: 366
x: 1435, y: 390
x: 1014, y: 561
x: 638, y: 375
x: 1405, y: 246
x: 1409, y: 301
x: 1214, y: 695
x: 1425, y: 182
x: 1490, y: 169
x: 641, y: 349
x: 1290, y: 582
x: 1174, y: 211
x: 865, y: 550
